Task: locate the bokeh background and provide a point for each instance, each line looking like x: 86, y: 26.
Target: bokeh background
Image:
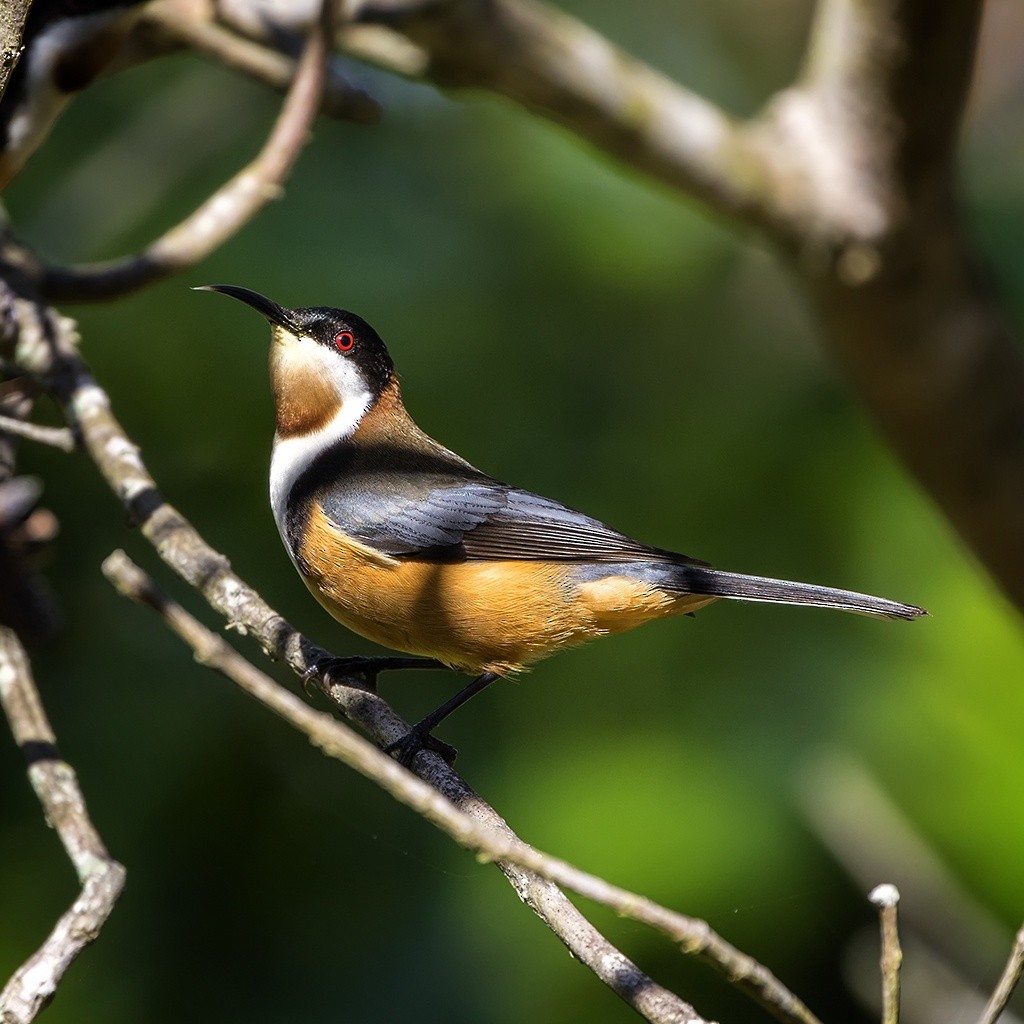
x: 569, y: 326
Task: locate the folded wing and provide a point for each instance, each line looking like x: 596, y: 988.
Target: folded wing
x: 480, y: 519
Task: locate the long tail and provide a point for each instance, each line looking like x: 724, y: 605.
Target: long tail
x: 699, y: 580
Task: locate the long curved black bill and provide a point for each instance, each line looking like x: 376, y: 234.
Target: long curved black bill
x: 270, y: 310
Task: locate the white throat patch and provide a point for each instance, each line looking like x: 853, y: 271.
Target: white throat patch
x: 292, y: 455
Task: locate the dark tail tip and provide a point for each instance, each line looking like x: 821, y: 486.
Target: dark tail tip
x: 761, y: 588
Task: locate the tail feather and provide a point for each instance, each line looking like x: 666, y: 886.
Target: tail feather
x: 713, y: 582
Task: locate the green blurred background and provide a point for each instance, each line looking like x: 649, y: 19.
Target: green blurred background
x: 570, y: 327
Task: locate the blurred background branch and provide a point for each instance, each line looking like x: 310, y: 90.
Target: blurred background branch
x: 859, y: 824
x: 169, y: 24
x: 1008, y: 982
x: 225, y: 212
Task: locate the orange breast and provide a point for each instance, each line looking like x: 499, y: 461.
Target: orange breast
x: 474, y: 615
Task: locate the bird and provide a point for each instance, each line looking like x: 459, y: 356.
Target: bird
x: 409, y: 545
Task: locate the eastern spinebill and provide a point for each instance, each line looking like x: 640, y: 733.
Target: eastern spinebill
x: 407, y: 544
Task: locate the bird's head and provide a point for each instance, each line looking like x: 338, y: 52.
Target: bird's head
x: 325, y: 363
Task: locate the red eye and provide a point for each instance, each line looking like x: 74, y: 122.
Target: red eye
x: 344, y: 340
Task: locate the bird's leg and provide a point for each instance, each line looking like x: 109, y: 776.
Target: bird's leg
x: 335, y: 670
x: 418, y: 737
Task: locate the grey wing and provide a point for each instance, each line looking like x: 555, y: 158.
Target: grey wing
x: 532, y: 527
x: 400, y: 523
x: 480, y: 519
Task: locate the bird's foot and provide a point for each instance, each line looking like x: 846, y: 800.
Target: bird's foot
x: 359, y: 671
x: 416, y: 739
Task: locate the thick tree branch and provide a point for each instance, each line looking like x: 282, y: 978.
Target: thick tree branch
x: 909, y: 312
x: 228, y: 210
x: 560, y: 68
x: 34, y: 983
x: 850, y: 171
x: 930, y: 353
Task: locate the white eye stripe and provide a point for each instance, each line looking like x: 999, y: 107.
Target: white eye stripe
x: 346, y: 376
x: 343, y: 373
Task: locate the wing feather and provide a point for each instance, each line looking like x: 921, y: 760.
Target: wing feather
x: 478, y: 518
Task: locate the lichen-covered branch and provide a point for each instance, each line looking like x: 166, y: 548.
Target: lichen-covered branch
x: 52, y: 357
x: 35, y: 982
x: 496, y: 844
x: 338, y: 741
x: 13, y: 14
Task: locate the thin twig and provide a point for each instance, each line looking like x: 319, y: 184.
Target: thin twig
x: 55, y: 783
x: 1007, y: 983
x: 56, y: 437
x: 224, y: 213
x: 339, y: 741
x: 887, y: 897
